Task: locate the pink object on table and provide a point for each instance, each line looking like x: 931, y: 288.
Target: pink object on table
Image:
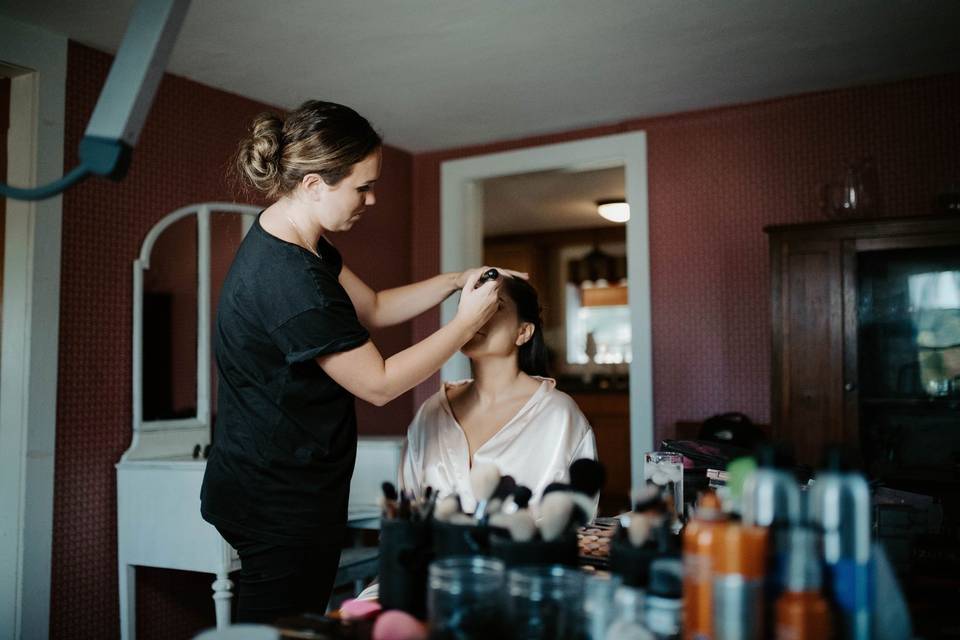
x: 359, y: 609
x: 397, y: 625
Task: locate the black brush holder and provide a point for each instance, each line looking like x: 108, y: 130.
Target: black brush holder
x: 405, y: 556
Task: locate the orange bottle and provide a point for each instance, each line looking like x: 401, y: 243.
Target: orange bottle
x: 699, y: 539
x: 802, y: 611
x: 739, y: 569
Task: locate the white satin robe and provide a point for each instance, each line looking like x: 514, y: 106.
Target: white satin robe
x: 536, y: 446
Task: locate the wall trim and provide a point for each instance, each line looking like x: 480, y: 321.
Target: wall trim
x: 461, y: 246
x: 31, y: 315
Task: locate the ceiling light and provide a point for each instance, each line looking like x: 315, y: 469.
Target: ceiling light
x: 614, y: 210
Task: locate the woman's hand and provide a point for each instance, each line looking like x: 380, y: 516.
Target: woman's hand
x: 463, y: 276
x: 477, y: 305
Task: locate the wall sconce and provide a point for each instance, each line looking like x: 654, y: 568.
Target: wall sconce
x: 614, y: 210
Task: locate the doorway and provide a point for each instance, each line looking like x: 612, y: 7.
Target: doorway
x: 37, y: 61
x: 462, y: 243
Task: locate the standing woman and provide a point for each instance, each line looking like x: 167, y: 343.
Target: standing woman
x: 293, y: 351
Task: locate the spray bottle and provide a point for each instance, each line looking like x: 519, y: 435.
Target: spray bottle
x: 699, y: 540
x: 840, y: 506
x: 739, y: 573
x: 802, y: 613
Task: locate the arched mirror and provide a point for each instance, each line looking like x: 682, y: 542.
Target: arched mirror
x: 176, y: 281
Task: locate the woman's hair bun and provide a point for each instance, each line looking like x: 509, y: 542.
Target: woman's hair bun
x: 319, y: 137
x: 260, y: 154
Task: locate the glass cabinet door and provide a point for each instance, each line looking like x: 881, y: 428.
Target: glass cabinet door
x: 908, y: 345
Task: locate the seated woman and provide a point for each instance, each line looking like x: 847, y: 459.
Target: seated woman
x: 509, y: 414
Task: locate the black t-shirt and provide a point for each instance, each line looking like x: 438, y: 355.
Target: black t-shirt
x: 285, y: 438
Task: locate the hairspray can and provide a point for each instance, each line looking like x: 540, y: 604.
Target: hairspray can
x: 802, y: 613
x: 738, y: 582
x: 699, y: 539
x: 840, y: 505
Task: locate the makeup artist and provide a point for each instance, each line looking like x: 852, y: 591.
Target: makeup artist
x: 293, y: 351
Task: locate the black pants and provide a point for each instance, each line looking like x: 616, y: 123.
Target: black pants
x: 279, y: 580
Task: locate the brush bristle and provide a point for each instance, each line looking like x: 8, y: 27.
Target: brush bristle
x: 587, y: 476
x: 585, y: 507
x: 522, y: 526
x: 555, y: 486
x: 521, y: 496
x: 505, y: 487
x: 483, y: 480
x: 499, y: 520
x: 639, y: 530
x: 461, y: 519
x: 389, y: 491
x: 446, y: 508
x: 555, y: 511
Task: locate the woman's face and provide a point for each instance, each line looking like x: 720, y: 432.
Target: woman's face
x: 503, y: 334
x: 340, y: 206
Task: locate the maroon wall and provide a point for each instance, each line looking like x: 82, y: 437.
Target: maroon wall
x: 715, y: 179
x: 181, y: 158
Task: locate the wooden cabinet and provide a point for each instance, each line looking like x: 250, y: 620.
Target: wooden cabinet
x: 831, y: 320
x: 609, y: 415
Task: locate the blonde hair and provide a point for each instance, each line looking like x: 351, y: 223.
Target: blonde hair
x: 319, y: 137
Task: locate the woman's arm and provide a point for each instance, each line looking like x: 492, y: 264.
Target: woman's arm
x: 364, y: 373
x: 393, y: 306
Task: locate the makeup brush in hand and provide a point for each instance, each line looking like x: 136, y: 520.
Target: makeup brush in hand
x: 484, y: 479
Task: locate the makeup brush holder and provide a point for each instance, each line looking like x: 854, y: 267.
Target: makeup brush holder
x: 405, y: 556
x: 564, y: 550
x: 461, y: 539
x: 630, y: 563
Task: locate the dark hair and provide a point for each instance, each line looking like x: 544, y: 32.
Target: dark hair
x: 320, y: 137
x: 533, y: 353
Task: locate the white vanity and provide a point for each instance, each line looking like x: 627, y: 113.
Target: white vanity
x: 159, y: 476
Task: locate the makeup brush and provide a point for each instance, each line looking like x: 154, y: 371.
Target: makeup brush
x: 403, y: 511
x: 447, y: 507
x: 489, y: 274
x: 388, y: 501
x: 639, y: 530
x: 504, y: 489
x: 462, y: 519
x: 587, y: 476
x: 522, y: 526
x: 555, y: 511
x: 555, y: 486
x: 484, y: 479
x: 431, y: 502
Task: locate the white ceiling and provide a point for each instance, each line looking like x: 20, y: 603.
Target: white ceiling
x: 434, y: 74
x: 549, y: 200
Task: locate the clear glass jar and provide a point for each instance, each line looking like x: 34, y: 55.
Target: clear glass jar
x: 465, y: 598
x: 628, y: 602
x: 545, y: 602
x: 598, y: 610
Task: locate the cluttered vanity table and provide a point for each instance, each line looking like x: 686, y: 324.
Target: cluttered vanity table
x: 160, y: 474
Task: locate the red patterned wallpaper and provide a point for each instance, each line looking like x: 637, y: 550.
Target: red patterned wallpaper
x: 716, y: 178
x: 181, y: 158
